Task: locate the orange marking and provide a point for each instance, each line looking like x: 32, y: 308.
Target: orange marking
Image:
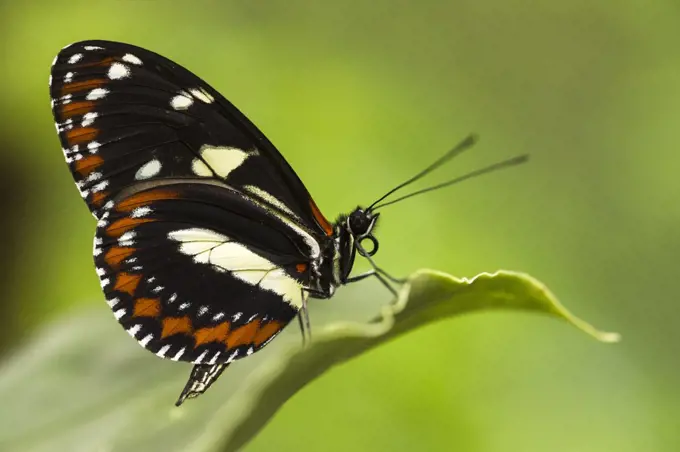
x: 117, y: 254
x: 87, y: 164
x: 98, y: 198
x: 76, y: 108
x: 301, y: 268
x: 217, y: 333
x: 74, y: 87
x: 106, y: 61
x: 125, y: 282
x: 81, y: 135
x: 244, y: 335
x: 267, y: 331
x: 147, y: 307
x: 325, y: 225
x: 120, y: 227
x: 176, y: 325
x: 144, y: 198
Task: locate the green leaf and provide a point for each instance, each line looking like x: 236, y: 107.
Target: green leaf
x: 82, y: 385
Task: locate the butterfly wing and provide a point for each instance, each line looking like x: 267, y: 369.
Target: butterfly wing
x: 126, y: 116
x: 200, y: 273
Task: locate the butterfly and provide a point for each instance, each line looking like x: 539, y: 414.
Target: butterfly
x: 207, y: 242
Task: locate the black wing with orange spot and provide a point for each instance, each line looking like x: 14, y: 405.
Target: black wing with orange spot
x: 126, y: 115
x: 199, y: 273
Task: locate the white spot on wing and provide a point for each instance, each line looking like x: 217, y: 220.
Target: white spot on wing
x: 68, y: 77
x: 233, y: 355
x: 133, y: 330
x: 130, y: 58
x: 75, y: 58
x: 97, y: 93
x: 179, y: 354
x: 182, y: 101
x: 140, y: 212
x: 93, y: 48
x: 202, y: 310
x: 93, y: 146
x: 161, y: 353
x: 113, y: 302
x: 93, y: 176
x: 88, y: 118
x: 199, y: 360
x: 218, y: 316
x: 145, y: 341
x: 223, y: 159
x: 127, y: 238
x: 118, y: 71
x: 200, y: 169
x: 100, y: 186
x: 201, y: 94
x: 149, y: 169
x: 213, y: 360
x: 119, y: 313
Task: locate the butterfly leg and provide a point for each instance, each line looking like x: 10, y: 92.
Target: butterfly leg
x: 202, y: 376
x: 377, y: 273
x: 305, y: 324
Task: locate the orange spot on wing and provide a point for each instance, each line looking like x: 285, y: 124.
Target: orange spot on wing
x: 120, y: 227
x: 117, y: 254
x: 103, y: 62
x: 301, y: 268
x: 81, y: 135
x: 147, y: 307
x: 76, y: 108
x: 83, y: 85
x: 126, y: 282
x: 217, y: 333
x: 98, y: 198
x: 87, y: 164
x: 243, y: 335
x: 144, y: 198
x: 267, y: 331
x: 176, y: 325
x: 323, y: 222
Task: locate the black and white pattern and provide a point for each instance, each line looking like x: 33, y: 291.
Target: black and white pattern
x: 207, y: 242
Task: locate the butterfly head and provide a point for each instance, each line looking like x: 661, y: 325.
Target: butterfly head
x: 360, y: 224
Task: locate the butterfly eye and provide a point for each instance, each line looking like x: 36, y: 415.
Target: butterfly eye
x: 363, y: 250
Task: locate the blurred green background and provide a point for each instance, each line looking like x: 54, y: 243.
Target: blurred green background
x: 357, y: 96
